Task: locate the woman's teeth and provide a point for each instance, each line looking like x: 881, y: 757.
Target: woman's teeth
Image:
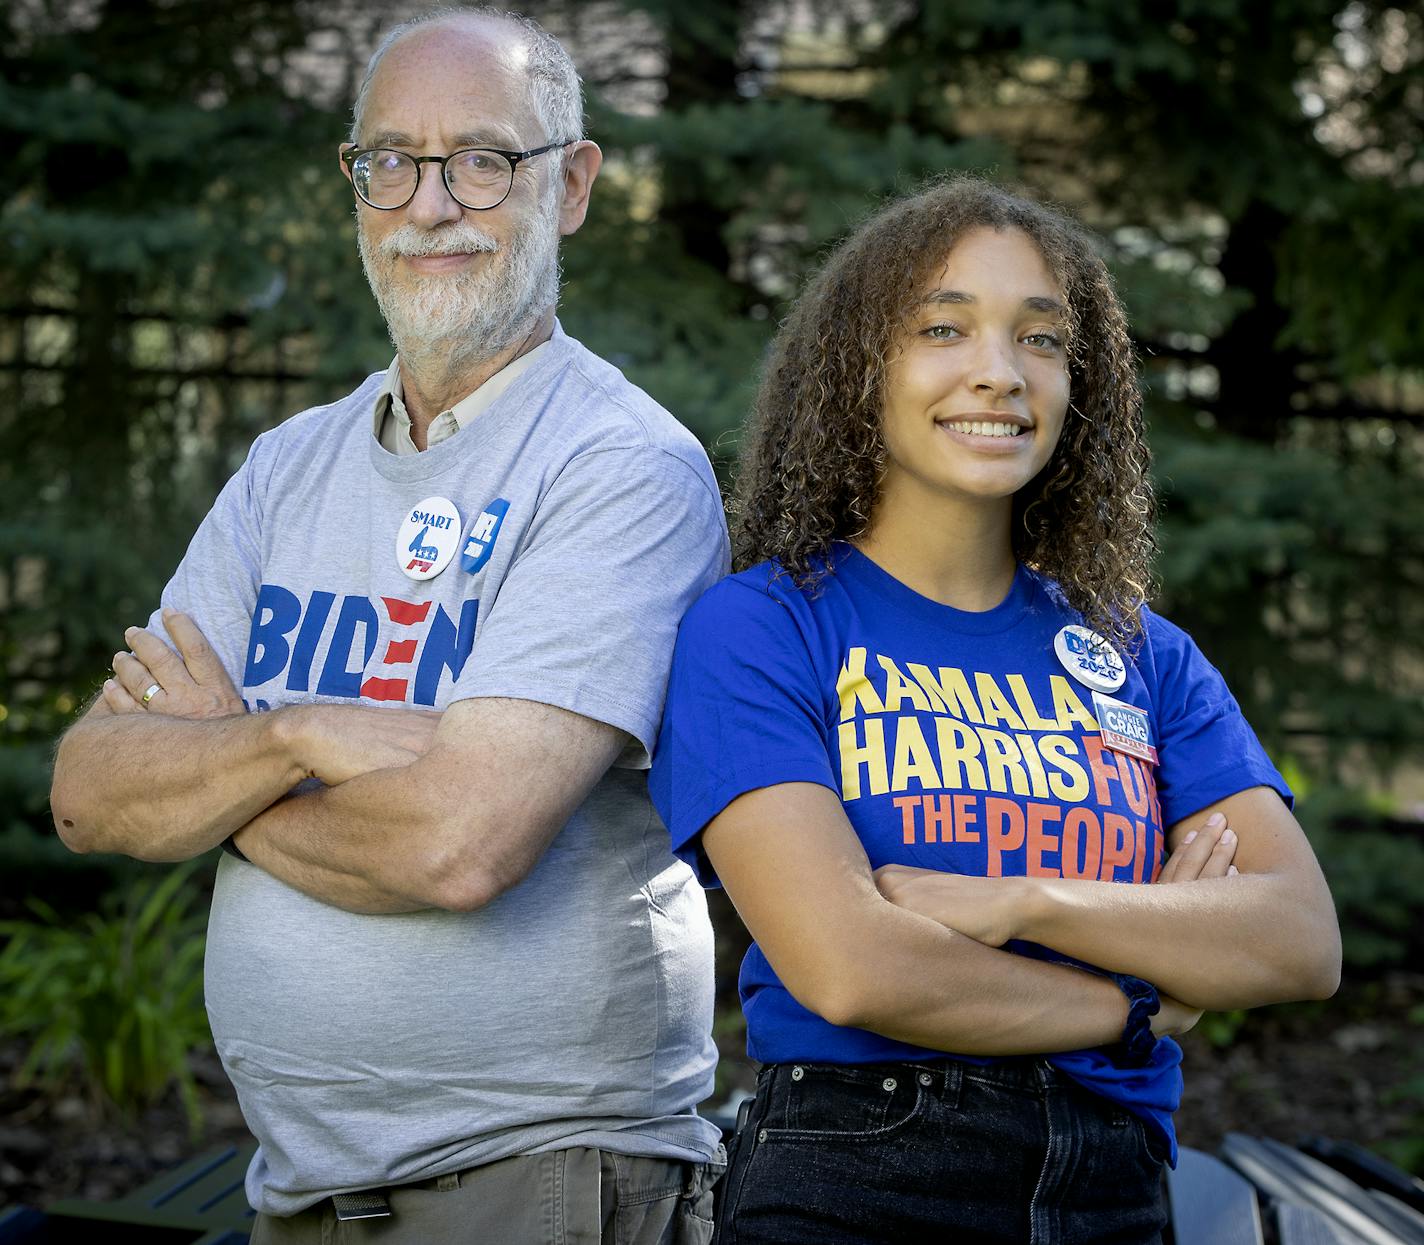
x: 985, y: 428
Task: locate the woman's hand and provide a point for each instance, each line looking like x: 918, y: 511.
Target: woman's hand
x: 1204, y: 853
x: 982, y: 908
x: 1173, y: 1016
x: 190, y: 683
x: 986, y: 908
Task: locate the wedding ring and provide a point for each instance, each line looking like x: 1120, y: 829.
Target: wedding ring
x: 152, y: 690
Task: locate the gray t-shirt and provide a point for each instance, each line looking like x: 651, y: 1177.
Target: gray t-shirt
x: 579, y: 521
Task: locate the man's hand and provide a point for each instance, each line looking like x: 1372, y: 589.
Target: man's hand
x: 1204, y: 853
x: 191, y: 683
x: 333, y: 743
x: 441, y: 831
x: 336, y: 743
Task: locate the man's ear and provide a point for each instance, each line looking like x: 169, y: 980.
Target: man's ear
x: 581, y: 165
x: 341, y: 150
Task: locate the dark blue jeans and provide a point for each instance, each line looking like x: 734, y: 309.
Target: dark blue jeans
x: 1013, y: 1153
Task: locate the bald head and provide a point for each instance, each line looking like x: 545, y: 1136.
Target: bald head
x: 515, y: 42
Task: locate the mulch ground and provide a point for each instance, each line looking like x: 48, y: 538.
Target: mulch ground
x: 66, y: 1146
x: 1352, y: 1069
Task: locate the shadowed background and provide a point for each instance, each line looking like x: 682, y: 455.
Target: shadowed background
x: 178, y: 273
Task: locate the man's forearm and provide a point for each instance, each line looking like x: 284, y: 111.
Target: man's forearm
x: 165, y: 788
x: 373, y: 844
x: 278, y: 841
x: 452, y: 827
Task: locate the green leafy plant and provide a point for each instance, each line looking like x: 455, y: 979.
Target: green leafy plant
x: 1376, y: 874
x: 112, y: 1001
x: 1221, y: 1028
x: 1408, y: 1150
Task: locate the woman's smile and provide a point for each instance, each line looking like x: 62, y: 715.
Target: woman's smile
x: 976, y: 394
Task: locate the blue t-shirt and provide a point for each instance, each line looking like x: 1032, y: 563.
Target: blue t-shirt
x: 957, y: 741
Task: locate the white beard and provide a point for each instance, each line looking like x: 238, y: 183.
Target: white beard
x: 464, y: 318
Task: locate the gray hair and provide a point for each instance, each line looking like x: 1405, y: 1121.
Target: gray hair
x: 554, y: 88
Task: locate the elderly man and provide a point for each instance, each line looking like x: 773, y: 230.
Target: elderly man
x: 458, y: 981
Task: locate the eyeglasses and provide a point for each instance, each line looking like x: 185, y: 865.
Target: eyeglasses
x: 476, y: 177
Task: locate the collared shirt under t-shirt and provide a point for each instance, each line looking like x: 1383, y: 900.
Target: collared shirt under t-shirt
x: 392, y: 420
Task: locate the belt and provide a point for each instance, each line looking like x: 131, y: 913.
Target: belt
x: 368, y: 1204
x: 375, y: 1204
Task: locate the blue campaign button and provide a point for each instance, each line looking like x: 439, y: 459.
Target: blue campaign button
x: 483, y: 533
x: 1089, y: 658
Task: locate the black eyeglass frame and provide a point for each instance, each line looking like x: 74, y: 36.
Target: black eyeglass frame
x: 352, y: 154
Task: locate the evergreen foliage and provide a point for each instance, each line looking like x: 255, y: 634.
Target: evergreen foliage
x: 179, y: 274
x: 1256, y: 173
x: 173, y: 284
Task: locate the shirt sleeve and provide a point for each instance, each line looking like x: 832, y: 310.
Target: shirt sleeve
x: 586, y: 616
x: 1206, y: 749
x: 745, y: 710
x: 216, y: 584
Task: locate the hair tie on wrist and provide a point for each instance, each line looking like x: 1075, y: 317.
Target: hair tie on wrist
x: 1134, y: 1048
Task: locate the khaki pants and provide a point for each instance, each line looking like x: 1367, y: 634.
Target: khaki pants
x: 564, y: 1197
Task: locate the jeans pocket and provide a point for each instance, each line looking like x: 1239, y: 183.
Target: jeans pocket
x: 831, y: 1103
x: 695, y: 1219
x: 672, y: 1220
x: 1153, y: 1145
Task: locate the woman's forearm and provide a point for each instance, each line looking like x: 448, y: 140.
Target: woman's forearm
x: 1239, y: 941
x: 848, y: 954
x: 1265, y: 933
x: 917, y: 982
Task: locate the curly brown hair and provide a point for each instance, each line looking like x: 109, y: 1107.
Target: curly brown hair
x: 813, y: 455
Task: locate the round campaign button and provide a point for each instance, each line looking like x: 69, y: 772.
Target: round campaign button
x: 1090, y: 659
x: 428, y: 538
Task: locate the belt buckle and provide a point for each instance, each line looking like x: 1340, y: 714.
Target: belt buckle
x: 368, y: 1204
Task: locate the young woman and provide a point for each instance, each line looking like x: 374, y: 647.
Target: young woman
x: 935, y: 746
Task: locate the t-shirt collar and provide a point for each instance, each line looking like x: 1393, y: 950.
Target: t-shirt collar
x: 848, y: 561
x: 390, y: 421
